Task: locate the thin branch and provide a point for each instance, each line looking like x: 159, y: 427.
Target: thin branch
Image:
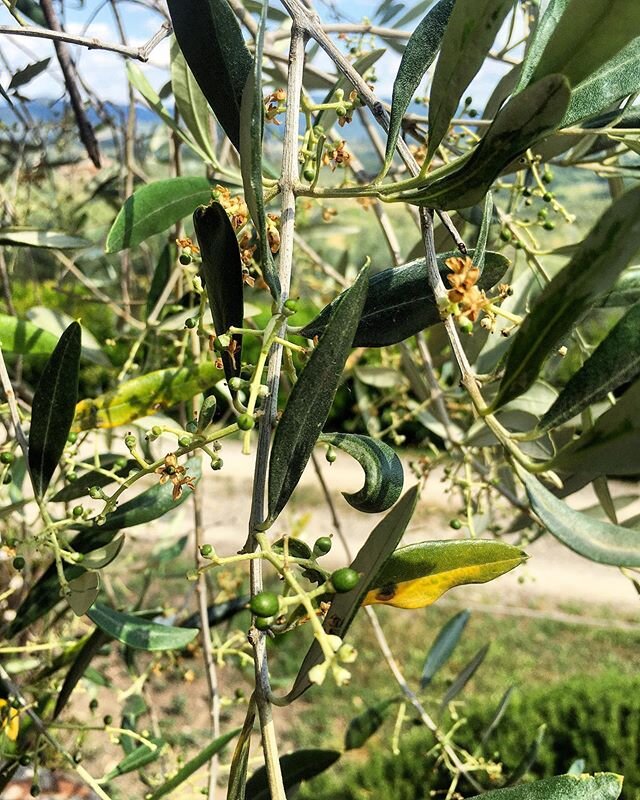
x: 141, y: 53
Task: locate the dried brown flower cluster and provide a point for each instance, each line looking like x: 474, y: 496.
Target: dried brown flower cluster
x: 174, y: 472
x: 470, y: 300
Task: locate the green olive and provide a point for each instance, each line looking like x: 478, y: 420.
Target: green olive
x: 19, y: 562
x: 322, y: 545
x: 345, y: 579
x: 246, y: 422
x: 264, y: 604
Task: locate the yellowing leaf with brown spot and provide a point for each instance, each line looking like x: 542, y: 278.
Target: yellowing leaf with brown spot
x: 9, y: 722
x: 417, y: 575
x: 148, y: 394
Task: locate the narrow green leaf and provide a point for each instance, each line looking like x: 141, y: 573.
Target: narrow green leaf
x: 383, y: 471
x: 31, y: 9
x: 445, y: 643
x: 190, y: 101
x: 148, y: 505
x: 496, y: 718
x: 589, y: 537
x: 240, y: 760
x: 103, y: 556
x: 611, y: 446
x: 624, y: 292
x: 77, y: 669
x: 211, y: 40
x: 154, y: 208
x: 296, y: 767
x: 614, y: 362
x: 250, y: 146
x: 601, y: 786
x: 600, y: 259
x: 191, y: 766
x: 465, y: 675
x: 520, y: 124
x: 56, y: 322
x: 420, y: 52
x: 471, y: 30
x: 146, y: 394
x: 81, y: 486
x: 161, y: 275
x: 379, y: 546
x: 47, y: 240
x: 417, y: 575
x: 53, y: 408
x: 538, y: 42
x: 83, y: 592
x: 483, y: 234
x: 139, y: 757
x: 400, y: 301
x: 528, y: 758
x: 24, y: 338
x: 362, y: 727
x: 222, y: 272
x: 311, y: 398
x: 138, y: 633
x: 589, y: 33
x: 28, y: 73
x: 616, y: 79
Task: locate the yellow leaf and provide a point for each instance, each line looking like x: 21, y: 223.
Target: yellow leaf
x: 9, y: 722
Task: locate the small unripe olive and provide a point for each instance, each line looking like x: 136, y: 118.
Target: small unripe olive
x: 547, y: 176
x: 107, y: 719
x: 264, y: 604
x: 505, y: 235
x: 93, y: 704
x: 7, y: 458
x: 455, y: 524
x: 549, y: 225
x: 543, y: 213
x: 35, y: 790
x: 19, y: 562
x: 331, y: 455
x: 216, y: 464
x: 547, y: 197
x: 95, y: 493
x: 206, y: 550
x: 130, y: 440
x: 191, y: 322
x: 77, y: 511
x: 526, y: 192
x: 72, y: 476
x: 24, y: 760
x: 264, y: 623
x: 72, y: 438
x: 309, y: 174
x: 184, y: 259
x: 344, y: 579
x: 246, y: 422
x: 341, y: 111
x: 184, y: 441
x: 291, y: 305
x: 322, y: 545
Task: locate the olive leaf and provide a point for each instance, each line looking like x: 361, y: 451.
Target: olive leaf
x: 417, y: 575
x: 470, y: 32
x: 379, y: 546
x: 53, y: 408
x: 400, y: 302
x: 361, y: 728
x: 480, y: 252
x: 147, y: 394
x: 154, y: 208
x: 465, y: 675
x: 250, y: 146
x: 420, y: 52
x: 520, y: 124
x: 46, y: 240
x: 139, y: 633
x: 83, y: 591
x: 161, y: 276
x: 139, y: 757
x: 592, y: 538
x: 602, y: 786
x: 624, y: 292
x: 222, y: 272
x: 311, y: 398
x: 211, y: 40
x: 615, y: 361
x: 24, y: 338
x: 536, y: 45
x: 598, y: 261
x: 302, y: 765
x: 442, y: 648
x: 83, y: 658
x: 384, y: 476
x: 240, y: 759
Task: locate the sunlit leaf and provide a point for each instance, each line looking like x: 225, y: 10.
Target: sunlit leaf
x: 83, y: 592
x: 48, y: 240
x: 139, y: 633
x: 384, y: 476
x: 53, y: 408
x: 614, y: 362
x: 24, y: 338
x: 420, y: 52
x: 146, y: 394
x: 83, y: 658
x: 400, y: 302
x: 471, y: 30
x: 417, y: 575
x: 211, y: 40
x: 193, y: 765
x: 154, y: 208
x: 102, y: 556
x: 311, y: 398
x: 599, y: 260
x: 221, y: 269
x: 537, y: 43
x: 602, y: 786
x: 139, y: 757
x: 380, y: 544
x: 445, y: 643
x: 465, y: 675
x: 361, y: 728
x: 589, y: 537
x: 240, y: 760
x: 295, y: 767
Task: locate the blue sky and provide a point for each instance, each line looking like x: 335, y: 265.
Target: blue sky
x: 105, y: 71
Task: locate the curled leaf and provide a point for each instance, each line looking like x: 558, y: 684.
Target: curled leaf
x: 139, y: 633
x: 383, y: 472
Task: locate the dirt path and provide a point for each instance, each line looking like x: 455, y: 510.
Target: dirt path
x: 553, y: 573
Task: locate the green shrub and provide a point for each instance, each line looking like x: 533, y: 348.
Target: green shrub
x: 597, y: 720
